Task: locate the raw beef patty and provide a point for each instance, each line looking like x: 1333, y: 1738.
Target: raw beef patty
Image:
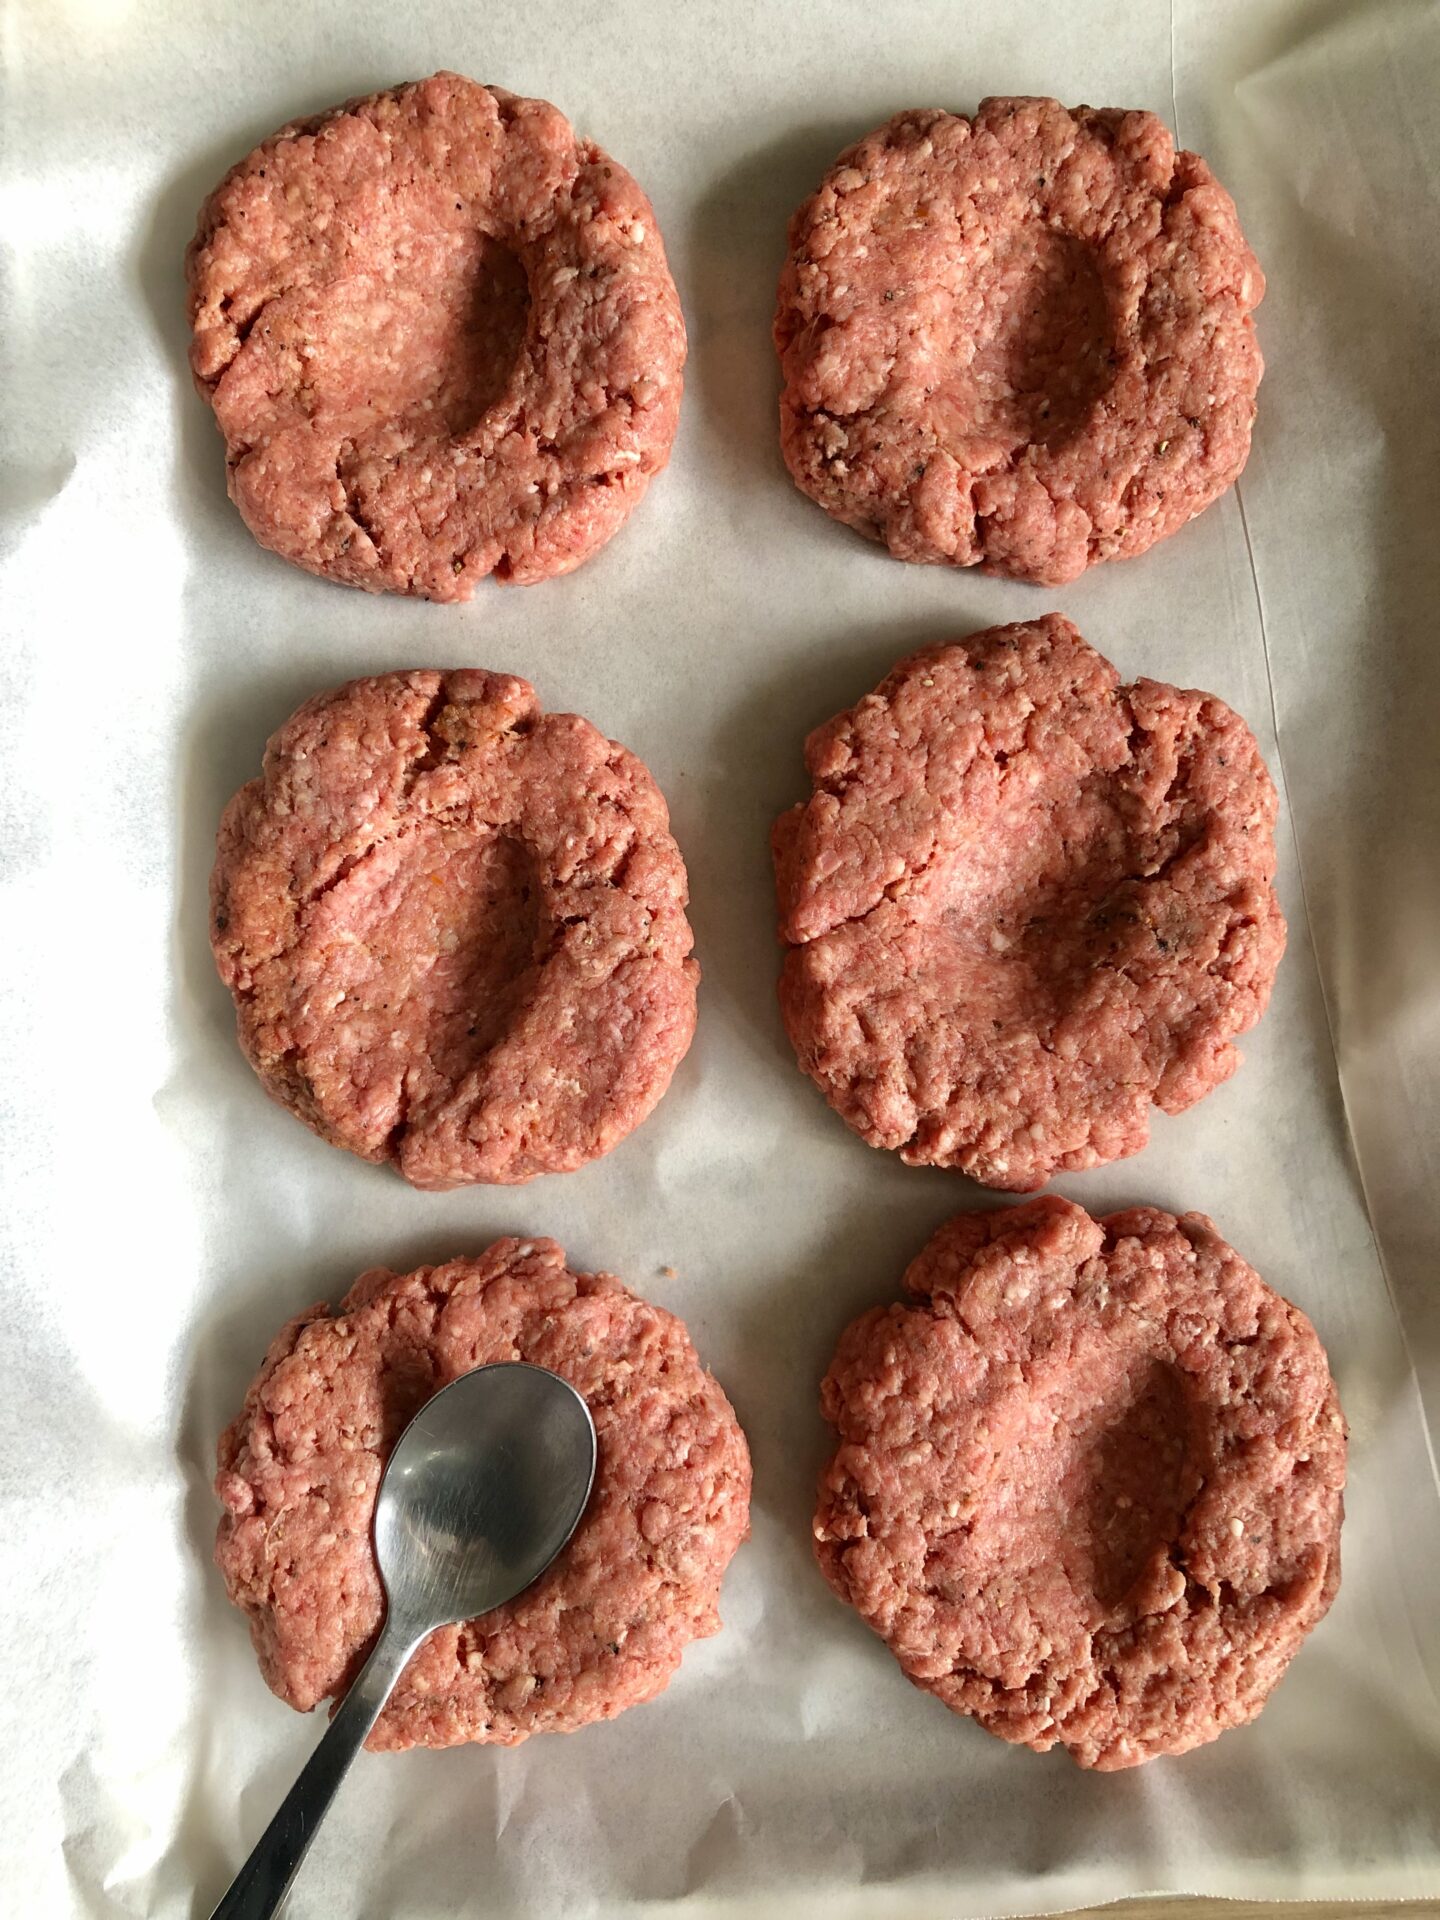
x: 604, y: 1628
x: 1022, y: 903
x: 440, y: 339
x: 1088, y: 1488
x: 1021, y: 341
x: 454, y: 928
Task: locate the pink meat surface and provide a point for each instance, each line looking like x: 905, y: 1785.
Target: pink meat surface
x: 440, y: 338
x: 605, y: 1627
x: 1021, y: 341
x: 1023, y: 903
x: 454, y: 929
x: 1089, y: 1490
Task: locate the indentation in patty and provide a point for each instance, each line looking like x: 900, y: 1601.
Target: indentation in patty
x: 1030, y: 350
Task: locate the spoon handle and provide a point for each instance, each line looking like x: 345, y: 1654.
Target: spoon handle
x: 261, y: 1885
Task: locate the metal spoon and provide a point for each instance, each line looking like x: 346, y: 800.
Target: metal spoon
x: 485, y: 1486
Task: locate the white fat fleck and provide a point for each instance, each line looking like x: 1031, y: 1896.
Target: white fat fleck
x: 999, y: 942
x: 1237, y: 1528
x: 637, y: 233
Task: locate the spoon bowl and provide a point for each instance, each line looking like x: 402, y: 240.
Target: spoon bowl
x: 483, y: 1489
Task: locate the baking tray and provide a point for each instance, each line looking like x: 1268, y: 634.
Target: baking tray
x: 162, y: 1218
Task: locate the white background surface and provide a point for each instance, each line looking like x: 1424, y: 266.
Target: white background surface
x: 162, y: 1217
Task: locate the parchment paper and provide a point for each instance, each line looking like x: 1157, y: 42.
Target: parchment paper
x: 162, y: 1217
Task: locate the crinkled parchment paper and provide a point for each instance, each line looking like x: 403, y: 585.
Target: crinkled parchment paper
x: 162, y: 1217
